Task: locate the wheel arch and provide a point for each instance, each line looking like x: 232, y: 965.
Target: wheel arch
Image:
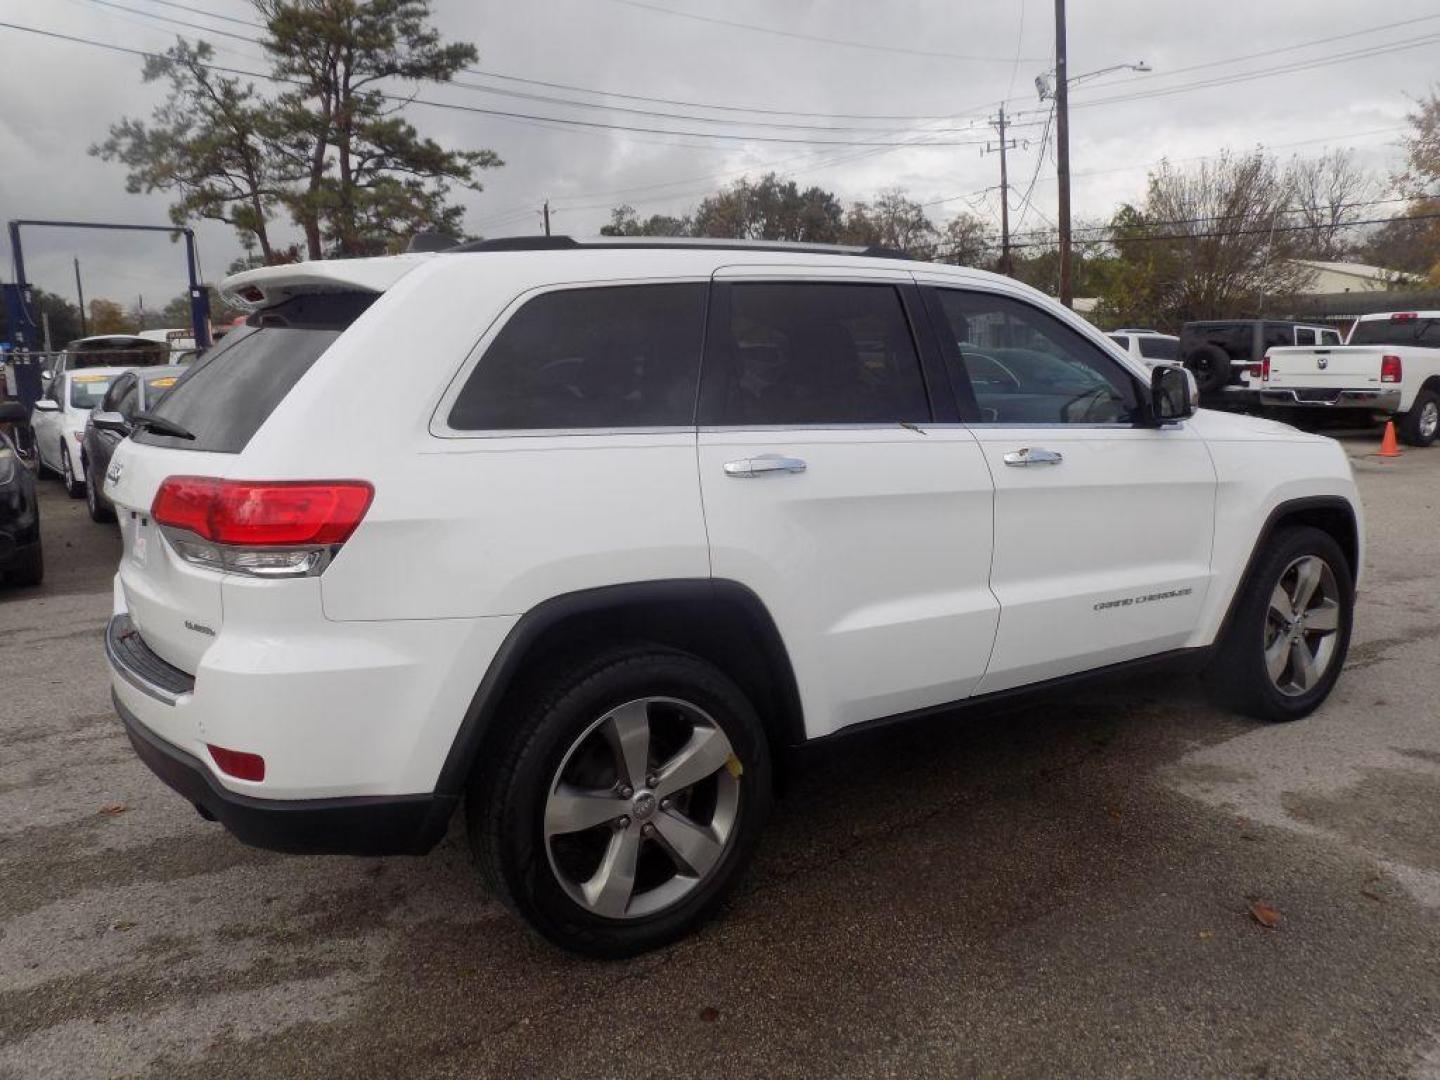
x: 718, y: 620
x: 1331, y: 514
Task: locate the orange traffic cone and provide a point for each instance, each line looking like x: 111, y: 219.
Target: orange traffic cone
x: 1388, y: 446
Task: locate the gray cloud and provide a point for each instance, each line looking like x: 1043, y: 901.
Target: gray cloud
x: 59, y: 98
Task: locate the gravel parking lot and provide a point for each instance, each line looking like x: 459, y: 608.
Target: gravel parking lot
x: 1065, y: 890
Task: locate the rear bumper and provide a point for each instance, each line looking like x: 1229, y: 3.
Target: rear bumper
x: 1367, y: 400
x: 369, y: 825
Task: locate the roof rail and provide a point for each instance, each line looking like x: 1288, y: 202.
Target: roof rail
x: 559, y: 243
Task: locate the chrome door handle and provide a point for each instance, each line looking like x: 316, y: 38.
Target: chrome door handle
x: 763, y: 465
x: 1033, y: 456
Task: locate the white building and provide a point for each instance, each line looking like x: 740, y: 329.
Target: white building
x: 1327, y: 278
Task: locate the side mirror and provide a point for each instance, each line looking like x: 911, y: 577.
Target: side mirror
x: 12, y: 412
x: 46, y: 404
x: 1174, y: 394
x: 110, y: 421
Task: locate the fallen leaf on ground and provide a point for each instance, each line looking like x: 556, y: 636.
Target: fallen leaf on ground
x: 1265, y: 915
x: 113, y: 808
x: 709, y: 1014
x: 1206, y: 935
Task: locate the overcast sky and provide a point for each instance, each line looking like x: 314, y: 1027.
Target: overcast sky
x: 948, y: 59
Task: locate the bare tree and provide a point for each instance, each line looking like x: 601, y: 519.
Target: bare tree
x: 1207, y: 243
x: 1328, y: 195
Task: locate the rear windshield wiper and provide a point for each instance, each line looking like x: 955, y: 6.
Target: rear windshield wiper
x: 160, y: 425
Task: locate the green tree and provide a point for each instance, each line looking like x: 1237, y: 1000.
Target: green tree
x: 770, y: 209
x: 64, y: 317
x: 966, y: 241
x: 108, y: 317
x: 892, y: 220
x: 367, y: 178
x: 210, y: 143
x: 625, y: 222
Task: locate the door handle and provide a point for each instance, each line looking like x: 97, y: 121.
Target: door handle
x: 763, y: 466
x: 1033, y: 456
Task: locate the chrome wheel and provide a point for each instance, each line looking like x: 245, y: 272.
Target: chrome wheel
x: 1301, y: 625
x: 1429, y: 419
x: 642, y: 808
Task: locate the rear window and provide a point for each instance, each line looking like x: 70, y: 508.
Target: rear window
x: 1422, y: 332
x: 1159, y: 348
x: 86, y: 391
x: 606, y: 357
x: 223, y: 398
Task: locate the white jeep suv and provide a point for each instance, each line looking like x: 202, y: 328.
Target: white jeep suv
x: 582, y: 536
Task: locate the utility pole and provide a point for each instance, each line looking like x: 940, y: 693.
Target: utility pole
x: 546, y: 212
x: 1062, y: 151
x: 80, y: 292
x: 999, y: 124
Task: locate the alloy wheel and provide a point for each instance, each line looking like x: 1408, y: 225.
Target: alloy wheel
x: 1301, y: 625
x: 642, y: 808
x: 1429, y: 419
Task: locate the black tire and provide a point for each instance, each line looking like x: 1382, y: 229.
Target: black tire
x: 100, y: 511
x: 1239, y: 672
x: 1210, y: 365
x: 1421, y: 424
x: 505, y: 807
x: 73, y: 487
x: 28, y: 567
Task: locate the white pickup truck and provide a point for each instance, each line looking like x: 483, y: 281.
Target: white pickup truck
x: 1390, y: 364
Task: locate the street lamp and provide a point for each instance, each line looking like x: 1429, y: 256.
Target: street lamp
x: 1044, y: 82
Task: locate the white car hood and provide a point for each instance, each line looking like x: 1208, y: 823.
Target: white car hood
x: 1238, y: 427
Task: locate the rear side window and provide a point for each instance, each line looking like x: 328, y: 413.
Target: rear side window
x: 1422, y: 332
x: 1159, y: 348
x: 790, y: 353
x: 605, y: 357
x: 225, y: 397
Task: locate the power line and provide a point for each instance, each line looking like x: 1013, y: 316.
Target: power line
x: 502, y: 113
x: 549, y: 99
x: 871, y: 46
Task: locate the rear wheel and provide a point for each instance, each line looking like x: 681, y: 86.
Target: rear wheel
x: 1421, y: 424
x: 1291, y: 628
x: 626, y: 802
x: 100, y: 510
x: 1210, y: 365
x: 74, y: 488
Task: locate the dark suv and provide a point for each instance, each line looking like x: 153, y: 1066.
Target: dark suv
x: 1225, y: 354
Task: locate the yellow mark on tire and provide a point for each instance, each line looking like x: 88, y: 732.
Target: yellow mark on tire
x: 732, y: 763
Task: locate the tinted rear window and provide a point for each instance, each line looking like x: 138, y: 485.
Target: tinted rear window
x: 606, y: 357
x: 225, y: 397
x: 1159, y: 348
x: 1422, y: 332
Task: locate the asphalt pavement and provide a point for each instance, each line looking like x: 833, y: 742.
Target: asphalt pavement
x: 1067, y: 890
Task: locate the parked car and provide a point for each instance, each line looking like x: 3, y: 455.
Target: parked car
x: 22, y: 562
x: 1148, y: 346
x: 59, y: 421
x: 1225, y: 355
x: 107, y: 350
x: 112, y: 420
x: 1390, y: 364
x: 571, y: 579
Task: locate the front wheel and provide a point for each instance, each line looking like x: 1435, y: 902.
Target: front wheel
x: 1421, y: 424
x: 1287, y: 641
x: 626, y: 802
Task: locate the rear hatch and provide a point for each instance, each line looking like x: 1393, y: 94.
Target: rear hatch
x: 1339, y: 367
x: 204, y: 423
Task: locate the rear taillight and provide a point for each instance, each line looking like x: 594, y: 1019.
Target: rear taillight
x: 278, y: 528
x: 1404, y: 316
x: 1390, y: 369
x: 1264, y: 371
